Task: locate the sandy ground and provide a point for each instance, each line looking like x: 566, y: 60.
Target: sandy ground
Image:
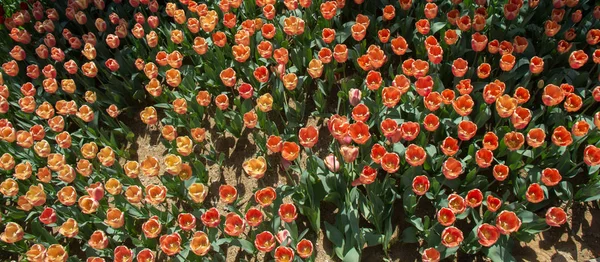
x: 580, y: 241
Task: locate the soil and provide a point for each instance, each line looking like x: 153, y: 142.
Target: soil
x: 577, y: 241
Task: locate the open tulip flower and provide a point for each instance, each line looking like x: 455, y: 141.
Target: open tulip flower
x: 475, y: 121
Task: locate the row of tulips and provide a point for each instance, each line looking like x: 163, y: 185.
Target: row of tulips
x: 504, y: 90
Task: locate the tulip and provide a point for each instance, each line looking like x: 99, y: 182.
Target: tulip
x: 474, y: 198
x: 152, y: 227
x: 446, y: 216
x: 290, y: 151
x: 255, y: 167
x: 56, y: 252
x: 98, y: 240
x: 390, y: 162
x: 556, y: 216
x: 561, y: 136
x: 487, y: 234
x: 308, y: 136
x: 508, y: 222
x: 48, y: 216
x: 430, y: 255
x: 420, y: 185
x: 449, y: 146
x: 457, y: 203
x: 452, y: 237
x: 199, y: 243
x: 36, y: 253
x: 12, y: 233
x: 287, y: 212
x: 284, y: 254
x: 452, y: 168
x: 69, y: 228
x: 145, y: 255
x: 399, y: 45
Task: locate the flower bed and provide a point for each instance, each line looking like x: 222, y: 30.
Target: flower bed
x: 478, y: 119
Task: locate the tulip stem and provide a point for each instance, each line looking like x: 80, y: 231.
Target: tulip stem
x: 575, y: 167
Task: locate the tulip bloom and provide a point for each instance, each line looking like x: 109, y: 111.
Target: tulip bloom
x: 284, y: 254
x: 556, y: 216
x: 227, y: 193
x: 234, y: 225
x: 415, y: 155
x: 508, y: 222
x: 474, y: 198
x: 170, y: 244
x: 551, y: 176
x: 452, y: 237
x: 457, y: 203
x: 290, y: 151
x: 487, y: 234
x: 430, y: 255
x: 265, y: 241
x: 287, y: 212
x: 420, y: 185
x: 390, y: 162
x: 452, y: 168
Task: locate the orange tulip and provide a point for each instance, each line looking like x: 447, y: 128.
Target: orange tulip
x: 424, y: 85
x: 284, y: 254
x: 484, y: 157
x: 293, y: 26
x: 290, y: 151
x: 155, y: 194
x: 265, y: 196
x: 561, y: 136
x: 420, y: 185
x: 463, y: 105
x: 487, y: 234
x: 399, y: 45
x: 452, y: 168
x: 459, y: 67
x: 423, y: 26
x: 534, y: 193
x: 430, y: 255
x: 390, y: 162
x: 431, y: 122
x: 69, y: 228
x: 359, y: 31
x: 450, y: 37
x: 287, y: 212
x: 123, y: 254
x: 555, y: 217
x: 580, y: 128
x: 199, y: 243
x: 152, y: 227
x: 170, y: 244
x: 328, y: 9
x: 445, y: 216
x: 456, y: 203
x: 449, y: 146
x: 474, y: 198
x: 36, y: 253
x: 452, y: 237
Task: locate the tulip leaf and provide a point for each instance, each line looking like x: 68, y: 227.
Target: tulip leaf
x: 351, y: 256
x: 500, y: 252
x: 409, y: 235
x: 336, y: 237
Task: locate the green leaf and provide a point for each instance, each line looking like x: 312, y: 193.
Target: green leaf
x: 500, y: 252
x: 351, y: 256
x: 336, y: 237
x: 409, y: 235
